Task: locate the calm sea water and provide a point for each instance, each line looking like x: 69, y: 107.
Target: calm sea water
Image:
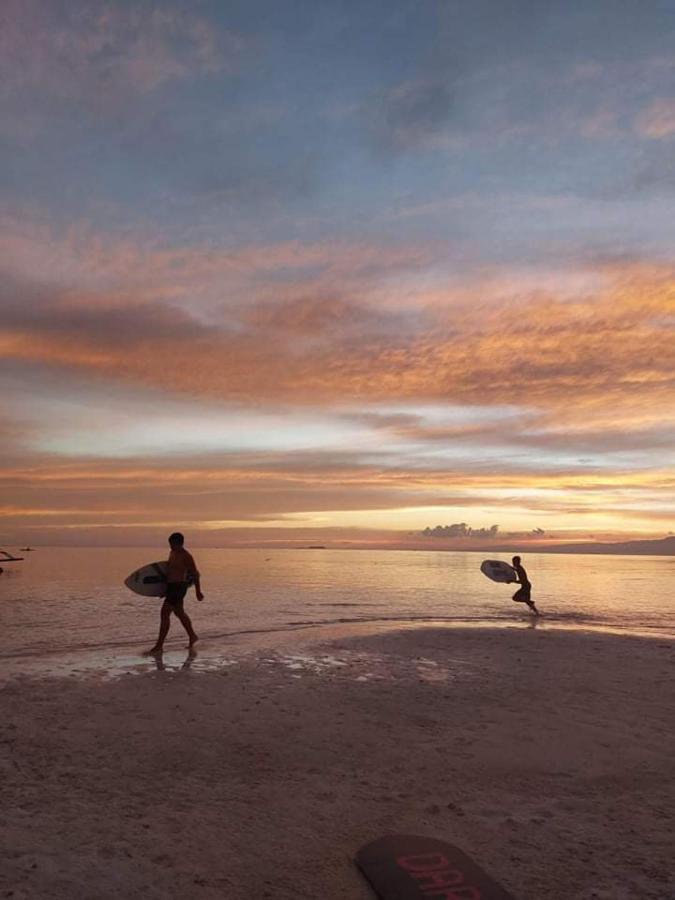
x: 73, y: 600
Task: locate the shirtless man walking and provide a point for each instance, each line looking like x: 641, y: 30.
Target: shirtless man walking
x: 522, y: 595
x: 180, y: 566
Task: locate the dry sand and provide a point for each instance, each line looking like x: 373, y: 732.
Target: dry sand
x: 548, y: 756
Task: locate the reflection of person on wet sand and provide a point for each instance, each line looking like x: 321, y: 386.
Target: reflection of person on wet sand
x: 158, y: 657
x: 522, y: 595
x: 180, y: 567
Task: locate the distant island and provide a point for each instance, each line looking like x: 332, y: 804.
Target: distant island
x: 657, y: 547
x: 461, y: 536
x: 516, y: 544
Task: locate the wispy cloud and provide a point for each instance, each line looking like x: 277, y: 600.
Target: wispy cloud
x: 308, y: 321
x: 295, y: 491
x: 100, y: 52
x: 410, y: 115
x: 343, y: 267
x: 657, y: 120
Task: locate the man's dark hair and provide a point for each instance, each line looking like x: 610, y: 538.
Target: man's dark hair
x: 176, y: 538
x: 516, y: 559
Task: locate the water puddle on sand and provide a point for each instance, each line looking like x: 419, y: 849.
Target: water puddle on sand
x: 366, y: 666
x: 325, y: 662
x: 295, y: 652
x: 108, y: 667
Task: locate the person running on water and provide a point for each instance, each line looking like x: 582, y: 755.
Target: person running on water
x: 180, y: 565
x: 522, y: 595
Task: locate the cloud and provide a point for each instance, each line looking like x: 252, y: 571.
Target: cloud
x: 292, y: 494
x: 319, y: 322
x: 657, y: 120
x: 67, y: 317
x: 137, y: 264
x: 483, y: 332
x: 101, y: 53
x: 654, y: 177
x: 410, y: 115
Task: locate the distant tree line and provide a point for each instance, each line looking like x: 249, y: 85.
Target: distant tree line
x: 462, y: 530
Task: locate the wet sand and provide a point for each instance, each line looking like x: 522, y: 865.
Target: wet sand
x: 548, y: 756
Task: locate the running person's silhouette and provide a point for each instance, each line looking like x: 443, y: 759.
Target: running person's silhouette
x: 523, y: 594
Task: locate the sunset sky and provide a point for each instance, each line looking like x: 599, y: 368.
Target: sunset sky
x: 323, y: 270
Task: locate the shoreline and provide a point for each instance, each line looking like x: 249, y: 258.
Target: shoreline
x: 545, y: 754
x: 119, y: 657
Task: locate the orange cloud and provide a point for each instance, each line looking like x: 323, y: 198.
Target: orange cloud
x: 290, y: 494
x: 611, y: 354
x: 586, y: 370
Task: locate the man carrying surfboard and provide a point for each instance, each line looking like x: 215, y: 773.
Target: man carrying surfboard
x: 522, y: 595
x: 181, y: 570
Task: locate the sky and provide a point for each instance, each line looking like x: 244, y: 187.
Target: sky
x: 280, y: 271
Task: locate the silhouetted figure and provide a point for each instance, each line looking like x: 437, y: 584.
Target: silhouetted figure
x: 522, y: 595
x: 180, y: 567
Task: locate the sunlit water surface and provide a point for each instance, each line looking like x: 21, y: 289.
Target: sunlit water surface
x: 72, y: 600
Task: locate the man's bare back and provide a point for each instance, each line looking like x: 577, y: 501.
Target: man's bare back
x: 181, y: 565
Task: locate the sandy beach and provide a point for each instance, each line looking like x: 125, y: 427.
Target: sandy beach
x: 547, y: 756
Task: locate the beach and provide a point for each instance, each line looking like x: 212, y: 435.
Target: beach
x: 546, y: 755
x: 336, y: 340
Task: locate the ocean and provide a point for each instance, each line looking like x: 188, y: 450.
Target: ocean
x: 70, y: 604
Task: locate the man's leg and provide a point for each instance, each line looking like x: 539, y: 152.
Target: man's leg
x: 523, y: 596
x: 164, y: 625
x: 527, y: 598
x: 186, y: 622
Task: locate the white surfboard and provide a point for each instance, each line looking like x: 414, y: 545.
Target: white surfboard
x: 148, y: 581
x: 496, y: 570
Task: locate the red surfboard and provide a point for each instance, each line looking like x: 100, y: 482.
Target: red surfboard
x: 410, y: 867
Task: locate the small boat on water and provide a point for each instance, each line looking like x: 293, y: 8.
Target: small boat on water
x: 7, y: 557
x: 27, y: 549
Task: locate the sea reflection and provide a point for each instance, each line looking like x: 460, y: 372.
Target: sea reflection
x: 73, y: 600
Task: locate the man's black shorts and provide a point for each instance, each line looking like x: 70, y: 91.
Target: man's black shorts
x: 523, y: 595
x: 175, y: 593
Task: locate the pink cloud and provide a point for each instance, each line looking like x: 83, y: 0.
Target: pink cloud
x: 605, y: 355
x: 310, y: 323
x: 96, y: 52
x: 138, y: 268
x: 657, y: 120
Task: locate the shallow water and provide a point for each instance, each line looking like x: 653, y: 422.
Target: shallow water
x: 66, y: 601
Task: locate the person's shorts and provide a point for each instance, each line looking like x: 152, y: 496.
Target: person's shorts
x: 175, y: 593
x: 522, y: 595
